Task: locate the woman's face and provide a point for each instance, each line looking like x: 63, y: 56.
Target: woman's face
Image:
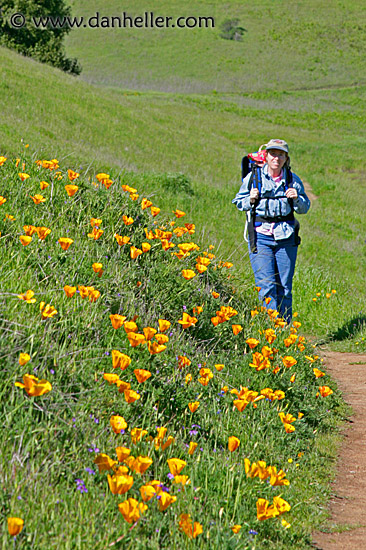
x: 276, y: 159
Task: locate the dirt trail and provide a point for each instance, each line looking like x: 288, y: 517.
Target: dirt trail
x: 347, y: 507
x: 309, y: 191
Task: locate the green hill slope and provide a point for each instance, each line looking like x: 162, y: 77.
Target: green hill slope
x: 286, y: 46
x: 203, y: 137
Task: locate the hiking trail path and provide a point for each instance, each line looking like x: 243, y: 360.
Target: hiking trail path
x: 347, y: 523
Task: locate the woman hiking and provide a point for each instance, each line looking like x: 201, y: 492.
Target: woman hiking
x: 273, y: 229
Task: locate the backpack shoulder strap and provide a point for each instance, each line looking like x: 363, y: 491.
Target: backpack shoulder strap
x: 288, y: 185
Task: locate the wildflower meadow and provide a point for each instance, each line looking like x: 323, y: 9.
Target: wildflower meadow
x: 148, y: 399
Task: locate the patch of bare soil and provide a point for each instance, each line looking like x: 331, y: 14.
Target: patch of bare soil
x: 309, y: 191
x: 347, y: 524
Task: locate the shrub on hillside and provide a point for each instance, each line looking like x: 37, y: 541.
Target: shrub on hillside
x: 43, y: 44
x: 231, y: 30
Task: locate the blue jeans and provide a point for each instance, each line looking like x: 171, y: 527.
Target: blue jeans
x: 273, y: 266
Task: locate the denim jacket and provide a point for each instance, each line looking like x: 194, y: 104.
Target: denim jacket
x: 270, y: 206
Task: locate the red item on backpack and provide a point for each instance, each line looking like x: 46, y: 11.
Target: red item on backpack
x: 259, y: 157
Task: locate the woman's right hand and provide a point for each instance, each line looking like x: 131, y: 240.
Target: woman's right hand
x: 254, y: 195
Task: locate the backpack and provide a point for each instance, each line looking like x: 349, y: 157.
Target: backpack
x: 252, y: 163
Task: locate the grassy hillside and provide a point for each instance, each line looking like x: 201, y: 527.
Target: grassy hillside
x: 170, y: 114
x: 133, y: 368
x: 150, y: 135
x: 286, y: 46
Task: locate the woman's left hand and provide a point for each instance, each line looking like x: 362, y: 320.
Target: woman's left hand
x: 291, y: 193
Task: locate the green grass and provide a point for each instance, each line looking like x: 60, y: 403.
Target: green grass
x: 49, y: 442
x: 147, y: 136
x: 171, y: 113
x: 286, y: 46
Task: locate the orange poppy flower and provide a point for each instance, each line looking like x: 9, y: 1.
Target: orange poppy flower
x: 219, y: 367
x: 118, y: 423
x: 33, y: 386
x: 29, y: 230
x: 169, y: 441
x: 147, y: 492
x: 233, y: 444
x: 163, y: 325
x: 136, y: 339
x: 166, y: 244
x: 23, y: 359
x: 165, y: 500
x: 289, y: 361
x: 201, y: 268
x: 43, y: 185
x: 135, y: 252
x: 149, y: 332
x: 252, y: 342
x: 97, y: 267
x: 119, y: 484
x: 188, y: 274
x: 127, y: 220
x: 236, y: 329
x: 27, y: 297
x: 176, y: 465
x: 318, y: 373
x: 187, y: 321
x: 179, y: 213
x: 161, y: 338
x: 183, y: 361
x: 192, y: 447
x: 102, y: 176
x: 188, y: 247
x: 15, y: 526
x: 179, y: 231
x: 155, y: 347
x: 142, y: 375
x: 130, y: 326
x: 122, y: 453
x: 47, y: 311
x: 23, y: 176
x: 145, y: 247
x: 193, y: 406
x: 131, y: 509
x: 120, y: 360
x: 96, y: 233
x: 325, y: 391
x: 131, y: 396
x: 37, y: 199
x: 142, y: 463
x: 71, y: 189
x: 154, y: 211
x: 72, y: 175
x: 69, y: 290
x: 117, y: 320
x: 65, y: 242
x: 25, y: 240
x: 94, y: 294
x: 145, y: 203
x: 186, y: 526
x: 111, y: 378
x: 188, y: 378
x: 43, y: 232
